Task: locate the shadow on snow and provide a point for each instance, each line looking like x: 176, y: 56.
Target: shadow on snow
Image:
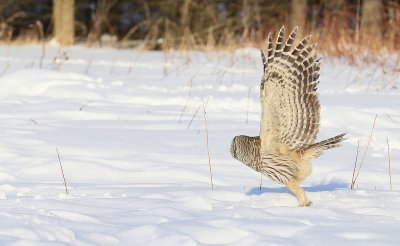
x: 317, y: 188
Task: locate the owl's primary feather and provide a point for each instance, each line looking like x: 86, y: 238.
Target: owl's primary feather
x: 290, y: 114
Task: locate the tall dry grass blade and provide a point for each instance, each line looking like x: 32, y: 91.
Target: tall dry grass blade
x: 34, y: 121
x: 366, y: 149
x: 5, y: 69
x: 85, y: 105
x: 358, y: 15
x: 88, y: 66
x: 194, y: 116
x: 39, y: 26
x: 62, y: 171
x: 208, y: 147
x: 189, y: 95
x: 355, y: 166
x: 248, y: 104
x: 390, y: 171
x: 101, y: 20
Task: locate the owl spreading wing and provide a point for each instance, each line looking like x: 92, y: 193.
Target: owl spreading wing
x: 289, y: 102
x: 290, y: 114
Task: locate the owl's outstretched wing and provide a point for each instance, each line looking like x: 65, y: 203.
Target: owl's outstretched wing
x: 290, y: 105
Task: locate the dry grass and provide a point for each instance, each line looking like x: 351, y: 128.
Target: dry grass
x: 206, y: 29
x: 389, y: 163
x: 354, y: 178
x: 62, y: 171
x: 207, y: 25
x: 207, y: 143
x: 101, y: 19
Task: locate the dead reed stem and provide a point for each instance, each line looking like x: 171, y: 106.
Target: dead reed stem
x: 365, y: 152
x: 194, y: 116
x: 101, y: 20
x: 85, y: 105
x: 34, y: 121
x: 62, y: 171
x: 208, y: 147
x: 39, y: 26
x: 88, y: 66
x: 248, y: 104
x: 188, y: 96
x: 6, y: 67
x: 391, y: 118
x: 390, y: 171
x: 129, y: 68
x: 184, y: 25
x: 355, y: 166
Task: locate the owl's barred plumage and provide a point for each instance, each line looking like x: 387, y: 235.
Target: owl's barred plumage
x: 290, y: 114
x: 247, y: 150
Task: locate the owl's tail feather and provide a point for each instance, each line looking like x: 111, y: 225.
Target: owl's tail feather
x: 315, y: 150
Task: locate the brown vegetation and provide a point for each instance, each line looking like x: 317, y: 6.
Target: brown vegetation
x: 342, y: 28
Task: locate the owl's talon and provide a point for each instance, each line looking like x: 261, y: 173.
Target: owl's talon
x: 307, y: 204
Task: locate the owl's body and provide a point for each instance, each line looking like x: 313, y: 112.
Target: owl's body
x: 289, y: 116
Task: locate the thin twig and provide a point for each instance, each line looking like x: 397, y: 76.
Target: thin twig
x: 130, y: 68
x: 366, y: 149
x: 355, y: 165
x: 88, y: 66
x: 208, y: 148
x: 248, y: 105
x: 187, y: 99
x: 8, y: 63
x: 34, y: 121
x: 390, y: 171
x: 84, y: 106
x: 194, y: 116
x: 391, y: 118
x: 189, y: 94
x: 261, y: 181
x: 62, y: 171
x: 39, y: 25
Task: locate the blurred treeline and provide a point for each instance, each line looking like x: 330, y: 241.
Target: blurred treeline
x: 339, y: 26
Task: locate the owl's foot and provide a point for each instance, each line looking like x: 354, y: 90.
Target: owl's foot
x: 305, y: 204
x: 295, y: 188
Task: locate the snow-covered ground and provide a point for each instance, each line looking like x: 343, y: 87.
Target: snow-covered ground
x: 129, y: 128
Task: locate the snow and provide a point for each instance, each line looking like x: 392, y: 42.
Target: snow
x: 129, y: 128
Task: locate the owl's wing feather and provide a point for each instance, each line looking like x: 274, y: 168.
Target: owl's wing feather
x: 290, y: 105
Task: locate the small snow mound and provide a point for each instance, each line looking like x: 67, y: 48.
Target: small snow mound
x: 100, y: 238
x: 72, y: 216
x: 37, y: 82
x: 198, y: 202
x: 53, y: 43
x: 233, y: 88
x: 359, y: 236
x: 3, y: 195
x: 247, y: 51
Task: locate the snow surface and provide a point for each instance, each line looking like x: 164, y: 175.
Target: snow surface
x: 129, y: 128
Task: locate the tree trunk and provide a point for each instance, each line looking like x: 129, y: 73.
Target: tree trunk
x: 64, y: 21
x: 393, y: 18
x: 333, y: 7
x: 371, y: 20
x: 298, y: 13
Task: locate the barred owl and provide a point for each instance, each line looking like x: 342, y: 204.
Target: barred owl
x: 290, y: 113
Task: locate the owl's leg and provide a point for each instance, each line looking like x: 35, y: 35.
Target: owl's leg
x: 294, y: 186
x: 284, y: 171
